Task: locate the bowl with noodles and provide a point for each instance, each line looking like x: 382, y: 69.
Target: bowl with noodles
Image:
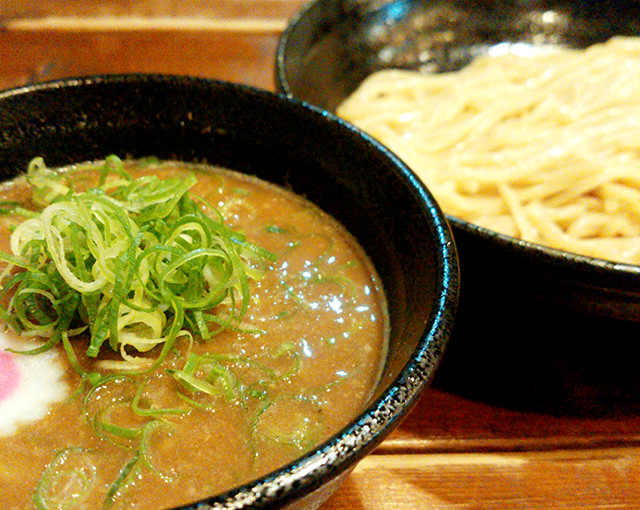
x: 522, y: 119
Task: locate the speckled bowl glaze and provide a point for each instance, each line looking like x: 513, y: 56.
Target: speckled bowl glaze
x: 520, y: 303
x: 305, y: 149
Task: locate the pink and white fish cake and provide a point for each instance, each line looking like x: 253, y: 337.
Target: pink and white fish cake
x: 29, y: 384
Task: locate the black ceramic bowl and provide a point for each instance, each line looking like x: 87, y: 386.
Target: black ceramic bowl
x: 528, y: 314
x: 279, y: 140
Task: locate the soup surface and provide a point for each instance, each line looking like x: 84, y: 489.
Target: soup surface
x: 296, y: 367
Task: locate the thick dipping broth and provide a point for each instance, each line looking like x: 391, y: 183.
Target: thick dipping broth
x: 115, y: 431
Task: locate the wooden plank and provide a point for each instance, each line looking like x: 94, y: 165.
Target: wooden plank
x: 31, y: 56
x: 245, y: 25
x: 277, y: 9
x: 445, y: 422
x: 595, y: 479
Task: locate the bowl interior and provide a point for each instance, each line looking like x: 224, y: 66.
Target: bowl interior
x: 332, y: 45
x: 283, y: 142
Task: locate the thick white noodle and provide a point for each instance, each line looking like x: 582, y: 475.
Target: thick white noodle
x: 545, y: 148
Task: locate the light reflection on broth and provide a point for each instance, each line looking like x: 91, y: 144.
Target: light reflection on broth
x: 310, y: 351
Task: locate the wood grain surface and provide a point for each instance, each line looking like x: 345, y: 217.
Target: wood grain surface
x: 457, y: 449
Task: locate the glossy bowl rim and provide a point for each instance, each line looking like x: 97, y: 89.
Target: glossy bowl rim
x: 619, y: 274
x: 359, y: 437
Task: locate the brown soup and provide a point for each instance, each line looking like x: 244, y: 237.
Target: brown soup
x: 298, y: 367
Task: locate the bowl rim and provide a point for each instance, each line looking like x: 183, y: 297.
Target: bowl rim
x: 622, y: 275
x: 609, y: 274
x: 360, y: 436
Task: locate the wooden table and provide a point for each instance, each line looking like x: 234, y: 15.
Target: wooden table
x: 461, y: 447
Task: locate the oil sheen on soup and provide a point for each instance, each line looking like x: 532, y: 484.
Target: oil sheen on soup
x: 162, y: 399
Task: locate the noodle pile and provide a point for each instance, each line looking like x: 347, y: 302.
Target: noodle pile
x: 543, y: 148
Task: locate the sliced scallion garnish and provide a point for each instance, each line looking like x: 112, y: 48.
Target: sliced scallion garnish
x: 67, y: 481
x: 137, y: 262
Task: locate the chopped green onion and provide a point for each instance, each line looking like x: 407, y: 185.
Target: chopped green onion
x: 135, y: 262
x: 138, y: 409
x: 67, y: 481
x: 145, y: 452
x: 125, y: 477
